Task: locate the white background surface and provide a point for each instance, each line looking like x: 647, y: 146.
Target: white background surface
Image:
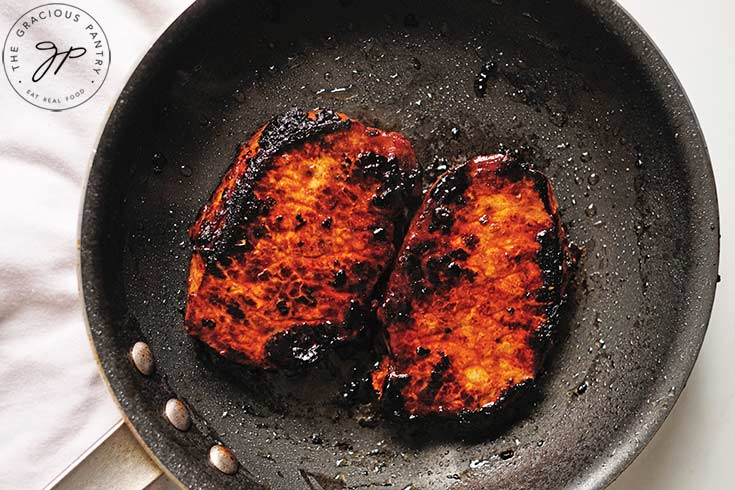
x: 52, y: 402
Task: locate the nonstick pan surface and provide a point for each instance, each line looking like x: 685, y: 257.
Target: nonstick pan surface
x: 578, y: 89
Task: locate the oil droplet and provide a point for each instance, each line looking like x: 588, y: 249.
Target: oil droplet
x: 416, y: 63
x: 540, y: 443
x: 558, y: 118
x: 239, y: 97
x: 489, y: 70
x: 581, y: 389
x: 159, y: 161
x: 507, y: 454
x: 327, y: 76
x: 591, y: 210
x: 585, y: 156
x: 337, y: 90
x: 456, y: 132
x: 185, y: 171
x: 593, y: 179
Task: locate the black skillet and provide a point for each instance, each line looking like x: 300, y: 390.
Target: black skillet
x: 578, y: 88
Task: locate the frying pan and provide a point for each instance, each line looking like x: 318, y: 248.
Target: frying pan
x: 578, y: 89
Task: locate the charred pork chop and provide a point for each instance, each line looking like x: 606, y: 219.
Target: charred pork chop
x: 289, y: 248
x: 475, y: 292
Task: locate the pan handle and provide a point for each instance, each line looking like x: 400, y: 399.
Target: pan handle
x: 115, y: 462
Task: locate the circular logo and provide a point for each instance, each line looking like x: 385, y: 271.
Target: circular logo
x: 56, y: 56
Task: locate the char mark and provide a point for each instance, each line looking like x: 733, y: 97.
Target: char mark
x: 215, y: 238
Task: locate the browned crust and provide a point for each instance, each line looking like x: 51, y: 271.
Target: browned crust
x: 473, y: 301
x: 288, y: 251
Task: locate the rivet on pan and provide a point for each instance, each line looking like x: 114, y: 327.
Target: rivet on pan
x: 222, y: 458
x: 177, y: 414
x: 143, y: 358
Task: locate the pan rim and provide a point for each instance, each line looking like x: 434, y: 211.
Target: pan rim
x: 80, y: 261
x: 611, y: 14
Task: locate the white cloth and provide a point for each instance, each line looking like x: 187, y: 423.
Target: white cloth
x: 53, y: 404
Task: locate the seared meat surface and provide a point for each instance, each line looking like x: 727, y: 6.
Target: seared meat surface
x: 475, y: 293
x: 288, y: 251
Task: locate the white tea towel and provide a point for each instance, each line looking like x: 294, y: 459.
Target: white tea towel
x: 53, y: 403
